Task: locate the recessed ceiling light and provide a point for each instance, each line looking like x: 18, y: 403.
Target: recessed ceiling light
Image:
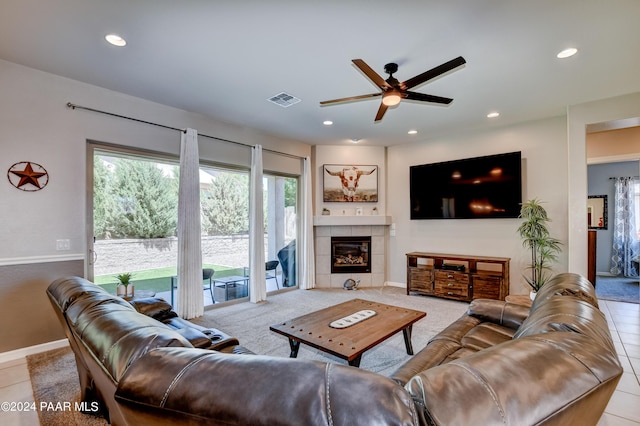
x: 327, y: 122
x: 567, y: 53
x: 355, y: 140
x: 493, y: 114
x: 412, y: 132
x: 116, y: 40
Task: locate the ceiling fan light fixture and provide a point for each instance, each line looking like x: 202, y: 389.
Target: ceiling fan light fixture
x: 391, y: 98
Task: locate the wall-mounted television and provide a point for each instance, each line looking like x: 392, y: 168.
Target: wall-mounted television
x: 472, y: 188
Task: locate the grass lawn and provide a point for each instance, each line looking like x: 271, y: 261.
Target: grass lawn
x: 159, y: 279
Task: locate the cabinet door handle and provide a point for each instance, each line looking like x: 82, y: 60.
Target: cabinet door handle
x: 450, y: 284
x: 450, y: 293
x: 449, y: 276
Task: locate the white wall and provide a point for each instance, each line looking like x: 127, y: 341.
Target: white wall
x: 544, y: 153
x: 350, y: 155
x: 36, y: 125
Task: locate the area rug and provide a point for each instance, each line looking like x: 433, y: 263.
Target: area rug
x: 55, y: 384
x: 618, y: 289
x: 54, y: 378
x: 250, y: 323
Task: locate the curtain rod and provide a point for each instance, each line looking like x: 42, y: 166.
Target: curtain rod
x: 75, y: 106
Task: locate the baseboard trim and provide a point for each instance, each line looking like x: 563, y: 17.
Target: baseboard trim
x: 395, y: 284
x: 30, y: 350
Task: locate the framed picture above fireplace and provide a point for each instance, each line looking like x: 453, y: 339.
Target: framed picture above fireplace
x: 349, y: 183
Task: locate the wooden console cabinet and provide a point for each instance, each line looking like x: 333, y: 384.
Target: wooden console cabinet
x: 458, y: 277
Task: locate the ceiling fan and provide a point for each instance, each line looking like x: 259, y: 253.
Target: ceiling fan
x: 394, y: 91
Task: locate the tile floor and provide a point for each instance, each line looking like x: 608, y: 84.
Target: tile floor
x: 623, y: 409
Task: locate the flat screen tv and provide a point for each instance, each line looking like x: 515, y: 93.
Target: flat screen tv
x: 473, y: 188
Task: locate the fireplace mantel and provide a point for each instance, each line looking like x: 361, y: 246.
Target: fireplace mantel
x: 351, y: 220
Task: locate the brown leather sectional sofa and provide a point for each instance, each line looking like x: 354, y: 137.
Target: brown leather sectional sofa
x: 500, y: 363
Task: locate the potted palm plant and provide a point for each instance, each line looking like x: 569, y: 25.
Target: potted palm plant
x: 125, y: 288
x: 536, y: 237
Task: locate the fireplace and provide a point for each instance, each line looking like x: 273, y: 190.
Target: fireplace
x: 350, y: 254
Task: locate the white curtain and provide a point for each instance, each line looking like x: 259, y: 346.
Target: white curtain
x: 190, y: 294
x: 257, y: 279
x: 625, y: 250
x: 307, y: 256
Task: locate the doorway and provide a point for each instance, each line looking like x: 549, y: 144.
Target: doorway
x: 611, y: 152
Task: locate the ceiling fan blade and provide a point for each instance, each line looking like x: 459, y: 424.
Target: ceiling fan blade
x: 373, y: 76
x: 383, y: 108
x: 415, y: 96
x: 351, y: 98
x: 434, y: 72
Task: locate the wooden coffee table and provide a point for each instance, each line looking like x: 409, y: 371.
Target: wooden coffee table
x: 352, y: 341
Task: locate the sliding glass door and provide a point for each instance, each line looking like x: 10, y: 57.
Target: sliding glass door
x: 132, y: 220
x: 281, y: 225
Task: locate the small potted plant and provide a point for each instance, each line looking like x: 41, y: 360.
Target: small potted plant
x: 125, y: 287
x: 536, y: 237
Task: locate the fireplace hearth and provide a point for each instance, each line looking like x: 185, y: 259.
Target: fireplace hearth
x: 350, y: 254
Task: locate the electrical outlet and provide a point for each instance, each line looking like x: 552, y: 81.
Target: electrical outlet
x: 63, y: 244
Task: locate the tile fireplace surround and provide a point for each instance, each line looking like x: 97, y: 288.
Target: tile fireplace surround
x: 323, y: 234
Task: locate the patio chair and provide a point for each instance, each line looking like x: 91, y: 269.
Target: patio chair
x: 271, y: 266
x: 207, y: 275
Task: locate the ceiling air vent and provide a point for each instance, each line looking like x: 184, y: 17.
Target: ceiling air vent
x: 283, y: 99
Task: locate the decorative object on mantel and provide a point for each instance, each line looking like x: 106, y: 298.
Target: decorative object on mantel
x: 536, y: 237
x: 349, y: 183
x: 28, y: 176
x: 374, y: 211
x: 326, y: 212
x: 359, y: 211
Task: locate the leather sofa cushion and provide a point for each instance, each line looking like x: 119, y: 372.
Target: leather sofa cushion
x: 201, y: 387
x: 464, y: 337
x: 562, y: 314
x: 509, y: 315
x: 75, y: 311
x: 65, y: 291
x: 566, y: 285
x: 119, y: 337
x: 486, y: 335
x: 562, y: 376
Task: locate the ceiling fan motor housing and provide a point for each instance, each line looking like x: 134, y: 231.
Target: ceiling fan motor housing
x: 391, y: 68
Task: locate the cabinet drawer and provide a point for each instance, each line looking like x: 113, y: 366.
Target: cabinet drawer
x: 420, y: 275
x: 452, y: 276
x: 452, y: 289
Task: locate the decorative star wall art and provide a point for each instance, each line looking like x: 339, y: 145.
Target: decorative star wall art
x: 28, y: 176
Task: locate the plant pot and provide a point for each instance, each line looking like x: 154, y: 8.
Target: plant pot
x: 130, y: 290
x: 532, y: 295
x: 121, y: 290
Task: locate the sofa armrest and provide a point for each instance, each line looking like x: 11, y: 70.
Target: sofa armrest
x: 499, y: 312
x: 154, y: 307
x: 552, y: 378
